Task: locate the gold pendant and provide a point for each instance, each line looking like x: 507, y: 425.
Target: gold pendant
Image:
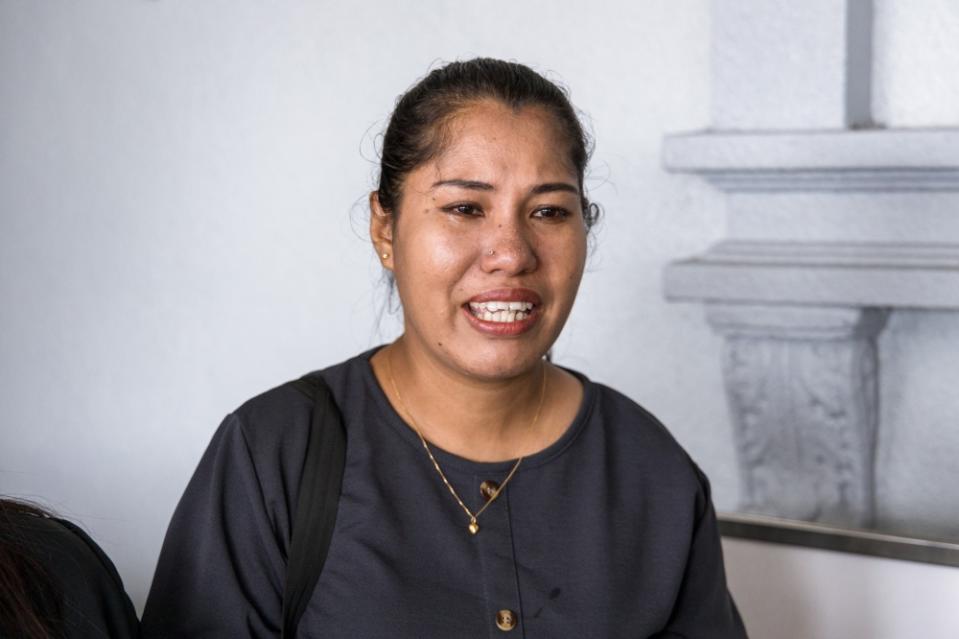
x: 474, y: 527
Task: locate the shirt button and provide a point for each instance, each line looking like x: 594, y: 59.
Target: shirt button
x: 488, y: 488
x: 505, y: 620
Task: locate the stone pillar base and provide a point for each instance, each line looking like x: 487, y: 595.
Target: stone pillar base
x: 802, y: 389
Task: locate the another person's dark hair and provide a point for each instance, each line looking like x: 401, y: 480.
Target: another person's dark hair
x: 31, y: 607
x: 417, y: 128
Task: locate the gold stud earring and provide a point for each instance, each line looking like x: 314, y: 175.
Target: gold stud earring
x: 385, y: 256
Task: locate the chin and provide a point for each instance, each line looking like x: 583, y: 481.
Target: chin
x: 502, y: 363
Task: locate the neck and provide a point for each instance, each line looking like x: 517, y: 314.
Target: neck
x: 483, y: 420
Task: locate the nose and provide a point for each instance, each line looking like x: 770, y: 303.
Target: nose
x: 509, y: 249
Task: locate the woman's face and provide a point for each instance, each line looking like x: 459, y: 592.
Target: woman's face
x: 488, y: 244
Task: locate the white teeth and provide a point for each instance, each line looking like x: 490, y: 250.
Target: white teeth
x: 501, y: 306
x: 501, y: 311
x: 487, y: 315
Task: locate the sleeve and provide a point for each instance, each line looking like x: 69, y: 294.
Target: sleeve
x: 222, y: 566
x: 704, y: 608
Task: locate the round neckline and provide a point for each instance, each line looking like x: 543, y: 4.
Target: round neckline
x: 462, y: 464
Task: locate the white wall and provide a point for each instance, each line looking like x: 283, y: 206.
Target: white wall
x: 916, y: 59
x: 916, y: 84
x: 788, y: 592
x: 181, y: 226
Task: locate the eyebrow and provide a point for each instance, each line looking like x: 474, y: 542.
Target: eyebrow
x: 476, y: 185
x: 550, y: 187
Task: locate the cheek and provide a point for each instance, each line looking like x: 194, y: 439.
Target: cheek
x: 444, y: 253
x: 432, y: 260
x: 569, y: 261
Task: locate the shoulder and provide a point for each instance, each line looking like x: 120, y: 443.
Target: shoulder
x: 93, y: 593
x: 59, y: 544
x: 276, y: 422
x: 644, y: 445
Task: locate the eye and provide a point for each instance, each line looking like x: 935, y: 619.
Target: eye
x: 465, y: 209
x: 551, y: 213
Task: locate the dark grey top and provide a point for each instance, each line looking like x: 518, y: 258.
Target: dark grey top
x: 609, y: 532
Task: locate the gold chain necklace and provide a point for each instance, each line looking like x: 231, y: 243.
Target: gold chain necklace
x: 473, y: 525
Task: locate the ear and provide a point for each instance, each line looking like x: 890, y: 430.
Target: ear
x: 381, y: 231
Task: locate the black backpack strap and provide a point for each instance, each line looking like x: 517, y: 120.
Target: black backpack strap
x: 316, y: 505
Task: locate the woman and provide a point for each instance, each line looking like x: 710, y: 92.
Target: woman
x: 55, y: 582
x: 485, y: 489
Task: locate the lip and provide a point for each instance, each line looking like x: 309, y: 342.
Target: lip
x: 505, y: 329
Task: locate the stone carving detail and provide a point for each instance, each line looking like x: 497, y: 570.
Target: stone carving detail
x: 802, y: 394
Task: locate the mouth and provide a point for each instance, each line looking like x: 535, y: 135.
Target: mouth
x: 504, y: 312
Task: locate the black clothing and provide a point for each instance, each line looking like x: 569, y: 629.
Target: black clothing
x: 94, y: 604
x: 608, y: 532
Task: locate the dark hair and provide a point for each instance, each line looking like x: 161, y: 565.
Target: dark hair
x: 417, y: 128
x: 31, y: 606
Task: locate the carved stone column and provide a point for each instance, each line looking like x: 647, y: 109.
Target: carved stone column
x: 801, y: 385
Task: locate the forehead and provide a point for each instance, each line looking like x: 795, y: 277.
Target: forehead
x: 492, y: 141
